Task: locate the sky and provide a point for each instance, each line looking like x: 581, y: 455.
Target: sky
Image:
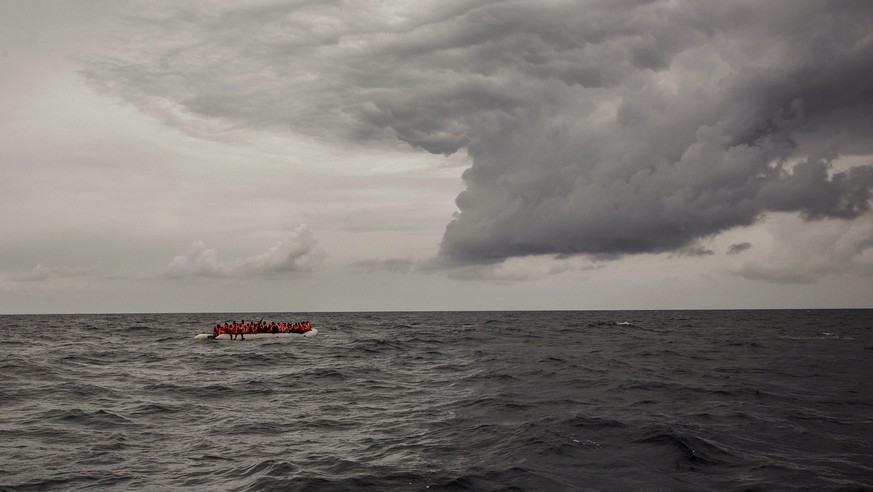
x: 369, y: 155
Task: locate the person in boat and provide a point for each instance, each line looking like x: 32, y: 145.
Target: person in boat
x: 238, y: 330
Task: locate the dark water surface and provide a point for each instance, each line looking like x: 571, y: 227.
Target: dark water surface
x: 674, y: 400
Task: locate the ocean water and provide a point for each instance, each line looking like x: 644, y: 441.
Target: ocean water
x: 633, y: 400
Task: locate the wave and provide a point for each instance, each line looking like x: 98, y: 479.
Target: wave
x: 73, y: 481
x: 159, y: 409
x: 212, y: 390
x: 329, y: 483
x: 588, y: 422
x: 508, y: 478
x: 688, y: 451
x: 97, y: 418
x: 141, y: 328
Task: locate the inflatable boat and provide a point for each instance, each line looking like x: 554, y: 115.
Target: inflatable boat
x: 258, y: 336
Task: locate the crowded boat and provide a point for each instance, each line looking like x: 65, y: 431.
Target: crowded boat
x: 240, y: 330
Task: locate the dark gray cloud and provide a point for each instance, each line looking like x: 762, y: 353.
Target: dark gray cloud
x: 694, y: 149
x: 692, y: 251
x: 737, y: 248
x: 600, y: 127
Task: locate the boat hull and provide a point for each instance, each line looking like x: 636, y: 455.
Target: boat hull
x: 258, y: 336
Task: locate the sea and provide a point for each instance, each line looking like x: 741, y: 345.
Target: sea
x: 541, y: 401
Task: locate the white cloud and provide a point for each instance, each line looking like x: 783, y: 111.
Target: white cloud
x: 800, y: 252
x: 294, y: 254
x: 42, y: 273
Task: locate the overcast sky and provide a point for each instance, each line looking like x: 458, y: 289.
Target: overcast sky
x: 318, y: 155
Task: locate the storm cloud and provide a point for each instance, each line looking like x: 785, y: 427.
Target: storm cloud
x: 738, y: 248
x: 601, y: 127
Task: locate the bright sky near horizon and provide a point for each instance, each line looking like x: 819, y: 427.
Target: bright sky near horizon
x: 299, y: 155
